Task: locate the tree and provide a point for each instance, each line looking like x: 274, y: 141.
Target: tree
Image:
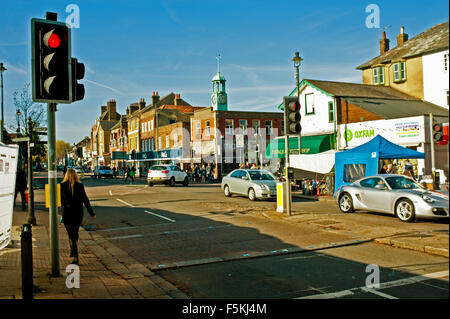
x: 62, y: 148
x: 28, y: 109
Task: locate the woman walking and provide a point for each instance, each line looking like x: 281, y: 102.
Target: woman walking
x: 73, y: 196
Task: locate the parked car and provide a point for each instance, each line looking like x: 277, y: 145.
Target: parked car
x: 166, y: 174
x: 78, y: 169
x: 393, y: 194
x: 253, y: 183
x: 100, y: 171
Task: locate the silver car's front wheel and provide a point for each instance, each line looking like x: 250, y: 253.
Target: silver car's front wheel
x: 405, y: 210
x: 251, y: 194
x: 346, y: 203
x: 226, y: 190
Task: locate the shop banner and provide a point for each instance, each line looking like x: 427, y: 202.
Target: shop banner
x: 408, y: 131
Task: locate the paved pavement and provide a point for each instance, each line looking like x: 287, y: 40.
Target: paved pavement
x: 108, y: 272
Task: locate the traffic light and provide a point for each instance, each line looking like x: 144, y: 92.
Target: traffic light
x: 77, y: 74
x: 437, y: 132
x: 292, y: 115
x: 133, y: 154
x: 50, y: 61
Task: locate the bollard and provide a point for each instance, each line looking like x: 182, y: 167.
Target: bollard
x: 26, y: 247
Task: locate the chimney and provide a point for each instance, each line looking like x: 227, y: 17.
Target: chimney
x: 103, y: 109
x: 384, y: 44
x: 402, y: 37
x: 177, y: 99
x: 155, y: 98
x: 141, y: 104
x: 111, y: 108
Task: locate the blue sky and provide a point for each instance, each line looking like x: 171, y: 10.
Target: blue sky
x: 132, y: 48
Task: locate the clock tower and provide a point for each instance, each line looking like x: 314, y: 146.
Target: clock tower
x: 219, y: 99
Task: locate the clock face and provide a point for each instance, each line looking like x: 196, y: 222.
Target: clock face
x: 214, y: 99
x: 222, y: 99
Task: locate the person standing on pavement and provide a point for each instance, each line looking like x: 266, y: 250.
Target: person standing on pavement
x: 73, y: 196
x: 21, y: 187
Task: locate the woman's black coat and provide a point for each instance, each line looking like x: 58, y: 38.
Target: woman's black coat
x: 73, y: 205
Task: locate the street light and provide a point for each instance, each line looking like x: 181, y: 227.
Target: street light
x: 2, y: 68
x: 18, y: 113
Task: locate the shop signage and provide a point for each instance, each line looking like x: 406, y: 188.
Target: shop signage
x: 405, y: 131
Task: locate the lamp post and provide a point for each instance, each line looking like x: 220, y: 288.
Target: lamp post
x: 2, y: 68
x: 18, y: 113
x: 297, y: 61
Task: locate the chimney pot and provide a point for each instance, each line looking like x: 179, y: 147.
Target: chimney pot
x: 384, y: 44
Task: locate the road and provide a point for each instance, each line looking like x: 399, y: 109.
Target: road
x: 210, y: 246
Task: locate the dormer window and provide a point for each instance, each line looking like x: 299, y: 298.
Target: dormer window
x: 378, y: 75
x: 399, y: 71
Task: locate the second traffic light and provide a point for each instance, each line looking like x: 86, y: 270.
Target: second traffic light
x: 292, y: 116
x: 50, y: 61
x: 77, y: 74
x: 437, y: 132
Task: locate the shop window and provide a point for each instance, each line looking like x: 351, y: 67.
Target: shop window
x: 207, y: 128
x: 353, y: 172
x: 268, y: 127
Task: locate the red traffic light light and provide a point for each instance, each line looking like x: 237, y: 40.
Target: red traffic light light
x: 52, y: 39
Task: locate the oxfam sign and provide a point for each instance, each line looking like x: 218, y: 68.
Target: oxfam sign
x: 349, y: 134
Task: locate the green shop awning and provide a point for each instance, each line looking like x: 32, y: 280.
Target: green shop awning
x: 310, y: 145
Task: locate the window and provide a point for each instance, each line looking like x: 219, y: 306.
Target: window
x: 372, y: 182
x: 353, y: 172
x: 445, y: 62
x: 198, y: 129
x: 175, y: 140
x: 167, y: 141
x: 309, y: 103
x: 159, y: 142
x: 143, y: 127
x: 207, y: 128
x: 268, y: 127
x: 330, y: 112
x: 256, y: 126
x: 151, y: 125
x: 229, y: 127
x: 243, y: 127
x: 378, y: 75
x: 399, y: 71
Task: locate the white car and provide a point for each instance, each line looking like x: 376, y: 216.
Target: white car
x: 100, y: 171
x: 167, y: 174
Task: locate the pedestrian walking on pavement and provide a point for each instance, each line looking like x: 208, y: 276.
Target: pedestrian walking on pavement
x: 73, y: 196
x: 21, y: 187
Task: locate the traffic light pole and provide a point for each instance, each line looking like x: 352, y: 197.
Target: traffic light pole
x: 31, y: 216
x: 288, y: 181
x: 52, y: 187
x: 433, y: 167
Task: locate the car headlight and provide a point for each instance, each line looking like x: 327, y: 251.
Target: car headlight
x: 264, y: 187
x: 427, y: 198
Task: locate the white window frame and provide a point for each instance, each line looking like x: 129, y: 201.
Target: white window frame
x: 167, y: 141
x: 229, y: 130
x: 243, y: 126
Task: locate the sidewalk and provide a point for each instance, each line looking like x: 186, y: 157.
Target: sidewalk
x: 106, y: 272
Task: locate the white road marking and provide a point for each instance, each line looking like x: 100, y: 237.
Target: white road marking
x: 379, y: 293
x: 124, y: 202
x: 171, y: 220
x: 389, y: 284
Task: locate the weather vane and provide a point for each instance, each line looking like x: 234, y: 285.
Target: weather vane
x: 218, y: 63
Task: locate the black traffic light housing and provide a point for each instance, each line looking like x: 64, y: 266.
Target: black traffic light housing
x: 437, y: 132
x: 77, y: 74
x: 133, y: 154
x: 54, y: 71
x: 50, y: 61
x: 292, y: 116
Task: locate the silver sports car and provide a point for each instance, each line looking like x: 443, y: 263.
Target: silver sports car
x: 393, y: 194
x: 253, y: 183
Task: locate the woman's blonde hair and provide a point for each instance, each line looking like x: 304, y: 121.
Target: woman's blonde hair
x: 72, y: 177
